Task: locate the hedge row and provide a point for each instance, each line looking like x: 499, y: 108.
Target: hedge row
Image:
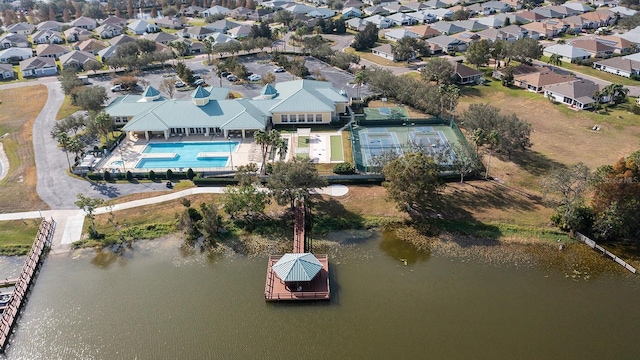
x: 151, y: 175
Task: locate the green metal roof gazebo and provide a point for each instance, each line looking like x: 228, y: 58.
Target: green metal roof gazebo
x: 297, y: 267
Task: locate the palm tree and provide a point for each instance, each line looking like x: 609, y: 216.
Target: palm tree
x: 360, y: 79
x: 208, y: 48
x: 267, y: 140
x: 63, y: 139
x: 617, y: 93
x: 555, y: 59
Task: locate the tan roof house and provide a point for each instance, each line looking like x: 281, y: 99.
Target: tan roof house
x: 77, y: 34
x: 85, y: 23
x: 425, y: 31
x: 595, y: 48
x: 51, y: 50
x: 90, y: 46
x: 536, y: 81
x: 578, y: 94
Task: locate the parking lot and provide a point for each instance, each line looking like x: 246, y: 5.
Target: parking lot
x: 340, y: 79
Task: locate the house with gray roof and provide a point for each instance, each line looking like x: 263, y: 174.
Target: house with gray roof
x: 214, y: 10
x: 397, y: 34
x: 6, y: 72
x: 416, y: 5
x: 169, y: 22
x: 121, y: 39
x: 447, y: 28
x: 321, y: 13
x: 376, y: 10
x: 578, y: 6
x: 49, y: 25
x: 445, y: 44
x: 14, y: 40
x: 91, y: 46
x: 350, y: 13
x: 384, y: 51
x: 47, y: 37
x: 221, y: 25
x: 471, y: 25
x: 38, y: 66
x: 196, y: 32
x: 619, y: 66
x: 22, y: 28
x: 14, y: 54
x: 302, y: 102
x: 140, y: 27
x: 84, y: 22
x: 77, y: 34
x: 107, y: 31
x: 380, y: 22
x: 356, y: 24
x: 567, y: 53
x: 402, y: 19
x: 397, y: 8
x: 578, y: 94
x: 114, y: 20
x: 76, y: 59
x: 160, y: 37
x: 51, y: 50
x: 423, y: 16
x: 435, y: 4
x: 239, y: 32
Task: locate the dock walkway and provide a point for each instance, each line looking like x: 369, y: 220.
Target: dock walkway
x: 29, y: 270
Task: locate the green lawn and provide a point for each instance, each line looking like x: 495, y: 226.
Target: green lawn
x: 17, y: 236
x: 595, y: 73
x: 367, y: 55
x: 67, y: 108
x: 336, y: 148
x: 303, y: 141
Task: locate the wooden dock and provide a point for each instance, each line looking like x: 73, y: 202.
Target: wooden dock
x: 318, y: 288
x: 592, y: 244
x: 29, y: 270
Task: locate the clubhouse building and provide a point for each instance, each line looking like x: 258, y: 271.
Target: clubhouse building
x: 210, y: 113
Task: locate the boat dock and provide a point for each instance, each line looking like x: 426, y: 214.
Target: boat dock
x: 22, y: 284
x: 318, y: 287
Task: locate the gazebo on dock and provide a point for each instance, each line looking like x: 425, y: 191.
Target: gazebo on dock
x: 297, y: 271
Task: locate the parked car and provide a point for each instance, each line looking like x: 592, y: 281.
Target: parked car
x: 196, y: 76
x: 279, y: 70
x: 232, y: 78
x: 255, y: 77
x: 180, y: 84
x: 198, y: 82
x: 225, y: 73
x: 117, y: 88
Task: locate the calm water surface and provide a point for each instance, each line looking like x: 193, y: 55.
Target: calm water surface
x: 159, y: 302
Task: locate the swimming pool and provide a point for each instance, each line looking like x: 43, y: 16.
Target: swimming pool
x: 208, y: 154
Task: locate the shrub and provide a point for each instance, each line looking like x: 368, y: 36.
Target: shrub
x: 129, y: 175
x: 344, y: 168
x: 152, y: 175
x: 190, y: 174
x: 169, y: 174
x: 107, y: 175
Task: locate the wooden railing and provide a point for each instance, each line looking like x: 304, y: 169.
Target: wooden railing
x: 595, y: 246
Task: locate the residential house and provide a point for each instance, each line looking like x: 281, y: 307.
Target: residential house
x: 600, y: 17
x: 491, y: 22
x: 402, y: 19
x: 578, y: 6
x: 169, y: 22
x: 193, y: 47
x: 424, y: 31
x: 77, y: 34
x: 276, y: 4
x: 107, y: 53
x: 14, y: 54
x: 50, y: 25
x: 38, y: 66
x: 470, y: 25
x: 532, y: 16
x: 547, y: 12
x: 416, y: 5
x: 196, y: 32
x: 567, y: 53
x: 380, y: 22
x: 596, y: 48
x: 215, y: 10
x: 6, y: 72
x: 51, y: 50
x: 121, y: 39
x: 91, y: 46
x: 384, y: 51
x: 440, y: 14
x: 397, y: 34
x: 47, y: 37
x: 619, y: 66
x: 191, y: 11
x: 515, y: 4
x: 577, y: 23
x: 353, y: 3
x: 76, y: 59
x: 563, y: 11
x: 14, y: 40
x: 107, y: 31
x: 22, y: 28
x: 447, y: 28
x: 423, y: 16
x: 350, y: 13
x: 304, y: 102
x: 84, y: 22
x: 140, y: 27
x: 435, y: 4
x: 545, y: 30
x: 356, y: 24
x: 114, y: 20
x: 467, y: 37
x: 222, y: 26
x: 240, y: 13
x: 497, y: 7
x: 446, y: 44
x: 535, y: 81
x: 465, y: 75
x: 514, y: 18
x: 321, y: 13
x: 622, y: 11
x: 579, y: 94
x: 261, y: 15
x: 239, y: 32
x: 510, y: 33
x: 453, y: 2
x: 376, y: 10
x: 397, y: 8
x: 296, y: 8
x: 219, y: 38
x: 619, y: 45
x: 161, y: 37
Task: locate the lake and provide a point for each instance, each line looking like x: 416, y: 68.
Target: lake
x: 162, y: 302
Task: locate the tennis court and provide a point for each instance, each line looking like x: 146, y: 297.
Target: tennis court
x: 372, y: 141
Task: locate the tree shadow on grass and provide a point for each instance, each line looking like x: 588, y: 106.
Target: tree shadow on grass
x: 330, y: 215
x: 535, y: 163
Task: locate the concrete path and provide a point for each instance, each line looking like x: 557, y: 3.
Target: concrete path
x: 4, y: 163
x: 70, y: 222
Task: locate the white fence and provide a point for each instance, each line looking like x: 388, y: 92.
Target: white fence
x: 593, y: 245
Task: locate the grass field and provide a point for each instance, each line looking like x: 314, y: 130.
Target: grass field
x: 367, y: 55
x: 67, y: 108
x: 18, y: 110
x: 336, y: 148
x: 16, y: 236
x: 346, y: 146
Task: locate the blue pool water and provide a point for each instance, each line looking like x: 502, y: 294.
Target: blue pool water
x: 187, y: 155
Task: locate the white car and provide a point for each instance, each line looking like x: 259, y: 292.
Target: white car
x: 199, y: 82
x: 255, y: 77
x: 279, y: 70
x: 116, y: 88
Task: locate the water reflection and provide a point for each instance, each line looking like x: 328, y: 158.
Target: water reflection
x: 401, y: 250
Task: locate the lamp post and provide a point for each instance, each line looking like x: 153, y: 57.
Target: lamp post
x: 230, y: 153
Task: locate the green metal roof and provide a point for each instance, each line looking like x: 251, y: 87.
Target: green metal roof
x: 200, y: 93
x: 150, y: 92
x: 297, y: 267
x: 306, y: 96
x: 218, y: 93
x: 268, y: 90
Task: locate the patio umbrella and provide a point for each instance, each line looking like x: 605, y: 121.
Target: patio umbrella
x: 297, y: 267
